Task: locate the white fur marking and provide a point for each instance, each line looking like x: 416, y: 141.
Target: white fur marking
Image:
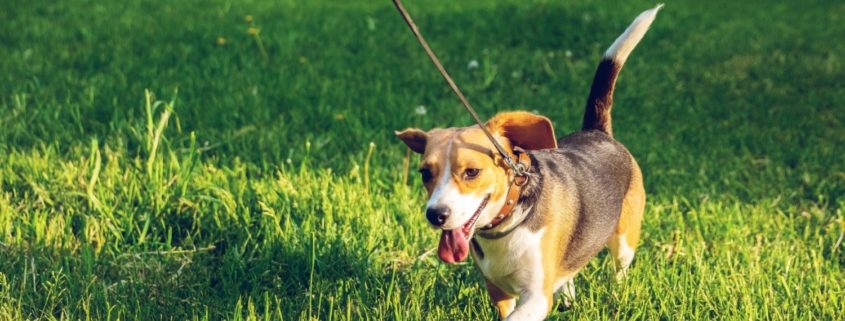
x: 444, y: 180
x: 566, y: 287
x: 533, y: 306
x: 622, y: 47
x: 461, y: 206
x: 514, y: 263
x: 624, y: 256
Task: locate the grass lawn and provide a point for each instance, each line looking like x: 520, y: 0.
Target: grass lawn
x: 160, y: 160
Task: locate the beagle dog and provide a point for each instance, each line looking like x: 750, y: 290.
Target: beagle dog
x: 531, y: 234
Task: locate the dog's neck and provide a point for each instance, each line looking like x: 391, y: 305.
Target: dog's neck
x: 524, y: 208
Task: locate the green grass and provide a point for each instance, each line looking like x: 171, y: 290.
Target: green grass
x: 244, y: 185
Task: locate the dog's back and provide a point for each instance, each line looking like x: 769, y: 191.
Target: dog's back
x: 602, y: 168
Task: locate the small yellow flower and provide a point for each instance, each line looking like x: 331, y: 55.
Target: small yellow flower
x: 248, y: 19
x: 253, y: 31
x: 221, y: 41
x: 339, y: 116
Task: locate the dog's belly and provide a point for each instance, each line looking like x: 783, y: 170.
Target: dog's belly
x: 514, y: 262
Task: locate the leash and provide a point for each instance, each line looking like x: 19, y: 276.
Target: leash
x: 519, y: 169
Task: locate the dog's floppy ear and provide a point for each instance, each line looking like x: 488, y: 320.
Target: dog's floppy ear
x: 524, y: 129
x: 414, y: 138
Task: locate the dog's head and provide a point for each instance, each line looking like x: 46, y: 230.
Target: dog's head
x: 466, y: 178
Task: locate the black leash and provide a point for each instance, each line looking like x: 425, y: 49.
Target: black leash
x: 518, y: 169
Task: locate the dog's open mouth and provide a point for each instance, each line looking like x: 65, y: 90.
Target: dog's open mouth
x: 469, y: 227
x: 454, y: 243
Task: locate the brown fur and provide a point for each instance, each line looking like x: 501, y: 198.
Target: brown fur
x: 524, y: 129
x: 630, y: 221
x: 504, y: 302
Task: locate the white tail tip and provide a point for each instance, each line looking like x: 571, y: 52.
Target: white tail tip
x: 622, y: 47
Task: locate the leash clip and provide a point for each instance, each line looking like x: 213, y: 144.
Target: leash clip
x: 520, y: 169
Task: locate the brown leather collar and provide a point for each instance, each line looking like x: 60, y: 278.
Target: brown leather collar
x: 514, y: 190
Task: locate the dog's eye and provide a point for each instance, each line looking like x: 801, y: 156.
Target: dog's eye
x: 471, y: 173
x: 426, y: 175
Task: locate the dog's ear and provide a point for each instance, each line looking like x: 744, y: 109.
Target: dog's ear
x: 414, y: 138
x: 524, y: 129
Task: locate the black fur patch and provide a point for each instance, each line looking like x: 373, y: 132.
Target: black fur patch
x: 477, y: 248
x: 600, y: 101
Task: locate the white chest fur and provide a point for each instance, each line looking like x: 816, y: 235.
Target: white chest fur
x: 513, y: 262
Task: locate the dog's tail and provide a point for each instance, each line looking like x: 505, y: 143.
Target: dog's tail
x: 597, y: 114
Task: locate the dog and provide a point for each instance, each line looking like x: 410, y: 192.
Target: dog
x: 530, y: 234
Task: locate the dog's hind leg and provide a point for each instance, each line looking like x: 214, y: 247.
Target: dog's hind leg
x: 566, y: 290
x: 623, y: 242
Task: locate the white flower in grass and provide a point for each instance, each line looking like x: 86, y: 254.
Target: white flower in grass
x: 371, y: 24
x: 568, y: 54
x: 420, y: 110
x: 473, y: 64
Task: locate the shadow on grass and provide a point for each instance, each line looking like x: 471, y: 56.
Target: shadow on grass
x: 48, y: 282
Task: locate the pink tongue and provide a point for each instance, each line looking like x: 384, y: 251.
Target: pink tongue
x: 453, y: 246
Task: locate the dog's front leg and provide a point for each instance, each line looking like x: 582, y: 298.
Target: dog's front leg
x: 533, y: 305
x: 504, y: 303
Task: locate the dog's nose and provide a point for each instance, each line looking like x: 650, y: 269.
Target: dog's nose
x: 437, y: 215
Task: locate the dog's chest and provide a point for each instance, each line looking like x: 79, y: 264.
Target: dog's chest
x: 513, y: 262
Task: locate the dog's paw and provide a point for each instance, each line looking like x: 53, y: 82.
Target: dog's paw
x: 564, y: 305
